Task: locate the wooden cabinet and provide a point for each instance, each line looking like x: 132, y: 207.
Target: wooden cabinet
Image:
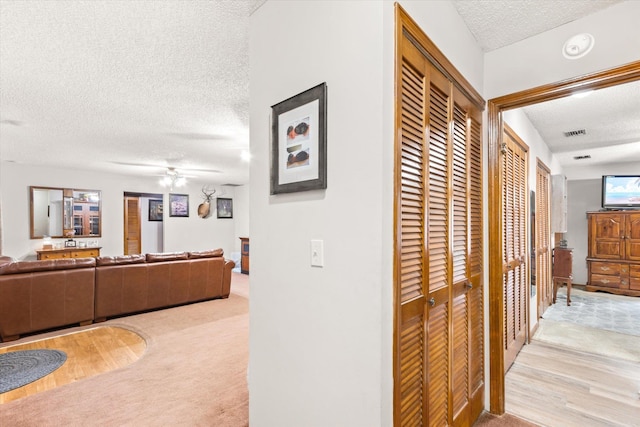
x: 614, y: 252
x: 68, y: 253
x: 244, y: 255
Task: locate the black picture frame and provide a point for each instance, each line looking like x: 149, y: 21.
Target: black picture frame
x: 179, y: 205
x: 69, y: 243
x: 224, y: 207
x: 155, y: 210
x: 299, y: 142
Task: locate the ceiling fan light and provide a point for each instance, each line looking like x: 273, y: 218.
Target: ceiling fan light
x: 180, y: 181
x: 578, y: 46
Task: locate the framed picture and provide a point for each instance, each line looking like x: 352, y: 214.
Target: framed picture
x: 179, y: 205
x: 299, y: 142
x: 69, y: 243
x: 224, y: 207
x: 155, y: 210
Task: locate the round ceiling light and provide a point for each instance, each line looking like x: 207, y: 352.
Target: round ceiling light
x: 578, y: 46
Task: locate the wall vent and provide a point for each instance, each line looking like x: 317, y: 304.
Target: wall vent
x: 575, y: 133
x: 586, y: 156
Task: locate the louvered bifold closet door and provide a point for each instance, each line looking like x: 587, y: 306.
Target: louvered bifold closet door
x: 411, y: 345
x: 544, y: 284
x: 438, y: 355
x: 468, y: 294
x: 438, y: 247
x: 515, y: 273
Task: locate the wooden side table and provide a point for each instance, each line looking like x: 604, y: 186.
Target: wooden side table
x: 562, y: 271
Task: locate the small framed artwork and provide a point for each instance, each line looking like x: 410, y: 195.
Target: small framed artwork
x: 155, y: 210
x: 69, y: 243
x: 179, y: 205
x: 224, y: 207
x: 299, y: 142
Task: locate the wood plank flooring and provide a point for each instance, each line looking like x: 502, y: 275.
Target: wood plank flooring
x: 89, y: 352
x: 551, y: 385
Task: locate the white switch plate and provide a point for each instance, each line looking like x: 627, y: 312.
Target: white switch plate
x: 317, y: 253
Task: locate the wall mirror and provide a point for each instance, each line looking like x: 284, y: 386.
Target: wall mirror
x: 65, y: 212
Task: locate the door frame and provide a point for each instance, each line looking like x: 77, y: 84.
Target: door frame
x: 139, y: 196
x: 615, y: 76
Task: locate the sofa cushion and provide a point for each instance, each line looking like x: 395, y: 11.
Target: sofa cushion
x: 120, y: 260
x: 206, y: 254
x: 167, y: 256
x: 47, y: 265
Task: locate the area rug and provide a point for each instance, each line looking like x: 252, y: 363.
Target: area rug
x: 20, y: 368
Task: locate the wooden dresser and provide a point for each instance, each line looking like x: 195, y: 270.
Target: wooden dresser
x: 68, y: 253
x: 614, y: 252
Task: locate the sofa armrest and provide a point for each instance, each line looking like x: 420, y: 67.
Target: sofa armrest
x: 226, y: 277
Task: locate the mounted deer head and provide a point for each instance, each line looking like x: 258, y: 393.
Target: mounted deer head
x: 204, y: 209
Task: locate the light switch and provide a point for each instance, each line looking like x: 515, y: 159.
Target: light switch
x: 317, y: 253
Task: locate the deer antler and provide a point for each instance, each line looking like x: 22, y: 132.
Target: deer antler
x: 208, y: 192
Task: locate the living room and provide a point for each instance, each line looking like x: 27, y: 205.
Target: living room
x: 323, y: 334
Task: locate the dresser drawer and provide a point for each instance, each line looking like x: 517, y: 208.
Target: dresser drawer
x: 85, y: 253
x: 607, y: 268
x: 55, y: 255
x: 606, y: 281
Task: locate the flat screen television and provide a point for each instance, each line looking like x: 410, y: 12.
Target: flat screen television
x: 621, y: 192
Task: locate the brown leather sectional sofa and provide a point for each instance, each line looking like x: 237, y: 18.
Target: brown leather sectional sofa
x: 41, y: 295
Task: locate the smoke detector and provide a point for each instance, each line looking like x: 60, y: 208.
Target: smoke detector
x: 578, y: 46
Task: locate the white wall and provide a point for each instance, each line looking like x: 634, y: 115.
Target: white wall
x: 324, y: 335
x: 241, y: 214
x: 152, y: 231
x: 583, y: 196
x: 538, y: 60
x: 181, y: 234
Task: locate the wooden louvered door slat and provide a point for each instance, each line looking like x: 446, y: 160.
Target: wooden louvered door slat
x: 411, y: 353
x: 515, y: 262
x: 438, y: 354
x: 438, y: 247
x: 543, y: 282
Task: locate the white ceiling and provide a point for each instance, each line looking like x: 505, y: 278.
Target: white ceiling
x: 135, y: 87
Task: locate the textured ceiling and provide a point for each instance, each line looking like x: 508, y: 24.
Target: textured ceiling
x: 610, y: 118
x: 111, y: 85
x: 499, y: 23
x: 133, y: 87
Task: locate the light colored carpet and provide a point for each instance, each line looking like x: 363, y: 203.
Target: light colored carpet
x: 193, y: 373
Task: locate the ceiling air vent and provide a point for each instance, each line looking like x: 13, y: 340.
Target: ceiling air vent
x: 587, y: 156
x: 575, y: 133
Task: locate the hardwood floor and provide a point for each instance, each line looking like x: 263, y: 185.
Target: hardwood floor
x: 89, y: 352
x: 551, y: 385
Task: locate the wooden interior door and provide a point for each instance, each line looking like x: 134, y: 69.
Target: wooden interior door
x: 514, y: 170
x: 132, y: 226
x: 544, y: 284
x: 438, y: 346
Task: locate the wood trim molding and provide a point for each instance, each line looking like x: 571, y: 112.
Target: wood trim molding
x: 435, y: 56
x: 623, y: 74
